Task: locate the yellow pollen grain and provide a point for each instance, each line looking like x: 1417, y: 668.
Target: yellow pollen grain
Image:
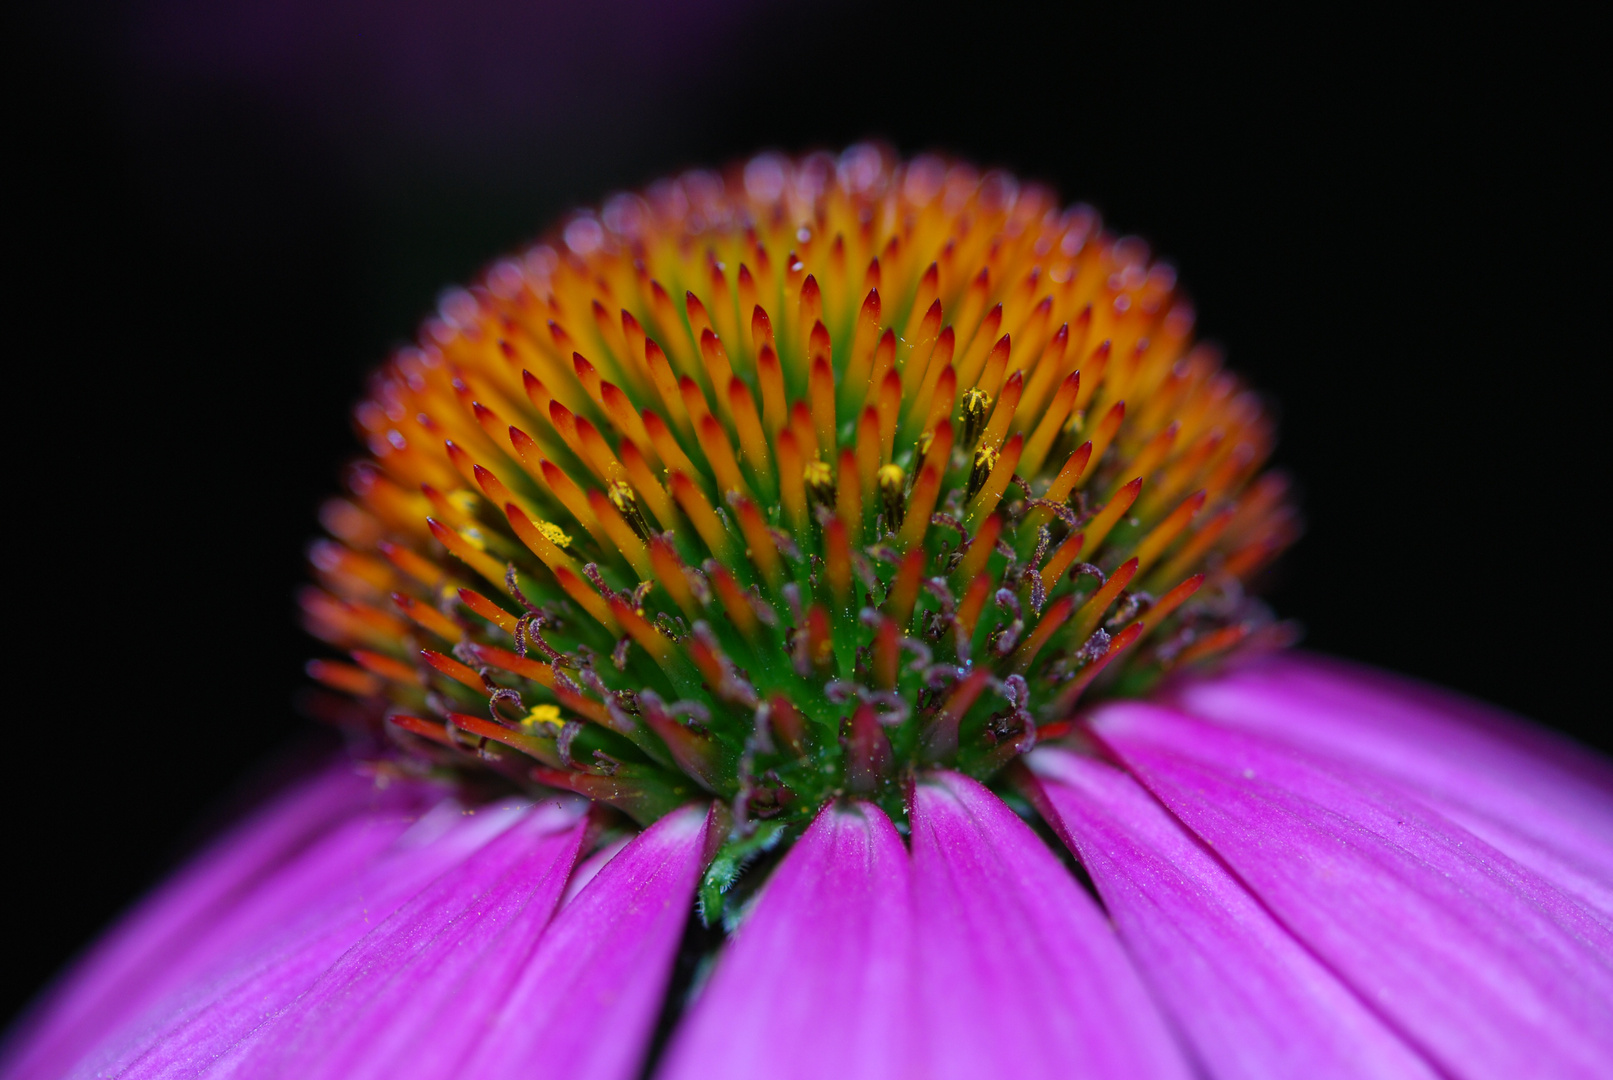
x: 554, y: 534
x: 547, y: 715
x: 817, y: 474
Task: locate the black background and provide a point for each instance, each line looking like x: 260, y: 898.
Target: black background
x: 1394, y: 222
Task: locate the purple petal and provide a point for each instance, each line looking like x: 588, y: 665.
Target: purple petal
x: 1540, y: 799
x: 590, y: 867
x: 818, y: 980
x: 587, y: 1000
x: 1482, y: 964
x: 1019, y: 975
x: 319, y: 832
x: 407, y: 1000
x: 1251, y: 1000
x: 193, y: 1027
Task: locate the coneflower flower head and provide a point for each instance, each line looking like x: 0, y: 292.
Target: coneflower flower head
x: 863, y: 533
x: 789, y: 483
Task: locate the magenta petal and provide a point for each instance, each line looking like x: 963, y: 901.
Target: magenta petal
x: 1482, y: 964
x: 407, y: 1000
x: 1251, y: 1001
x: 1540, y: 799
x: 587, y: 1001
x: 1019, y: 975
x: 818, y: 980
x: 320, y: 831
x: 192, y: 1028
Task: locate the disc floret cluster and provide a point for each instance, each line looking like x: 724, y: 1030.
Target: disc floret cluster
x: 787, y: 483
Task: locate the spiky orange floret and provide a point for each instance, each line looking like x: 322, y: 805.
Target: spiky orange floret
x: 784, y: 482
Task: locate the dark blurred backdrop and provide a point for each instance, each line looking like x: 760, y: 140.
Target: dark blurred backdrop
x: 229, y: 212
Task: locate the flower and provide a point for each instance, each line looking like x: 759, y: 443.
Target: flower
x: 827, y: 609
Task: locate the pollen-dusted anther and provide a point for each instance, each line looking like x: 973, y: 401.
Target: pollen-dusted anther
x: 554, y: 534
x: 974, y: 409
x: 820, y: 484
x: 893, y: 494
x: 621, y: 496
x: 985, y: 460
x: 921, y: 448
x: 545, y: 718
x: 710, y: 511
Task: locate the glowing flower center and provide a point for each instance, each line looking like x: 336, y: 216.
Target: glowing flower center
x: 784, y: 483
